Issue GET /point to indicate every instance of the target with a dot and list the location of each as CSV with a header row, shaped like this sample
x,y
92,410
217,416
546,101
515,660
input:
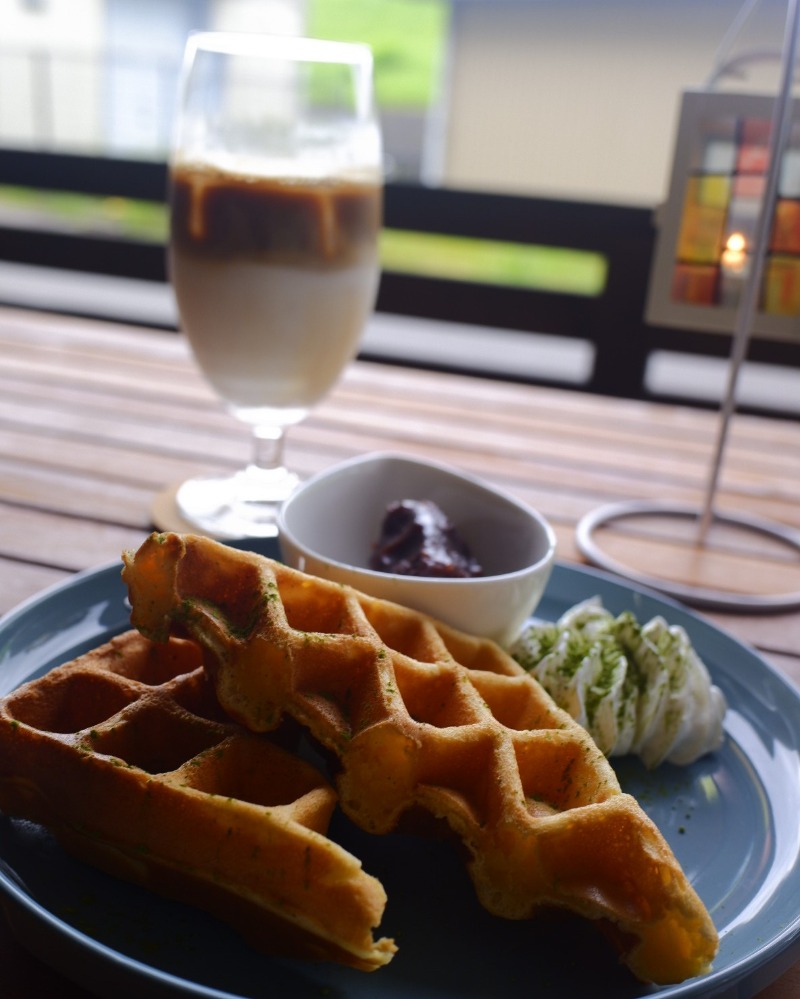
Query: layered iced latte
x,y
274,278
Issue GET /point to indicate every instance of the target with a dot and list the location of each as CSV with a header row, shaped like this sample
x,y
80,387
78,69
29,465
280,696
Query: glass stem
x,y
268,449
266,480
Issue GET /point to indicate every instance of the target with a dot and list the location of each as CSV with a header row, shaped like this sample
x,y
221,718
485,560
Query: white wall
x,y
54,24
579,98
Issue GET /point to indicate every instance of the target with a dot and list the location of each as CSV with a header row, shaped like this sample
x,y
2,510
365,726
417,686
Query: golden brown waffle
x,y
125,755
422,715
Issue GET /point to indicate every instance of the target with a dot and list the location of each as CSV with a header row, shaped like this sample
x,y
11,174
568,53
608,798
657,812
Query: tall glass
x,y
275,211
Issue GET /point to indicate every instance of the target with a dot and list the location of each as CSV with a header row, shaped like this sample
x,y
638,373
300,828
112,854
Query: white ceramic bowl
x,y
330,525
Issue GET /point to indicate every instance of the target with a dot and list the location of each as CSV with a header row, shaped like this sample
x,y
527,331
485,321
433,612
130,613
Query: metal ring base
x,y
695,596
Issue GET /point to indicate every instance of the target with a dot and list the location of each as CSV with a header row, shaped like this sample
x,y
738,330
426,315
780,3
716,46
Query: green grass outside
x,y
494,262
546,268
407,38
124,217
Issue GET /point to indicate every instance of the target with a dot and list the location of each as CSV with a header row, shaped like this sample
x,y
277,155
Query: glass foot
x,y
244,505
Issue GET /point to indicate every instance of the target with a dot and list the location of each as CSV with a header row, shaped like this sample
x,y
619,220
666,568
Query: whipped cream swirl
x,y
636,688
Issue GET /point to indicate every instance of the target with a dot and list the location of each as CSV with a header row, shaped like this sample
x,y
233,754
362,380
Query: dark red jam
x,y
417,539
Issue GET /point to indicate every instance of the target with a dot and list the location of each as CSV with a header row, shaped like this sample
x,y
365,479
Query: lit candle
x,y
734,256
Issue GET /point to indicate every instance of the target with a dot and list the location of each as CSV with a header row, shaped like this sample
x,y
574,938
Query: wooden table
x,y
96,419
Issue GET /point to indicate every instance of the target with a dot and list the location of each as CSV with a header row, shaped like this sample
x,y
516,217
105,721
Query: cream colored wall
x,y
579,98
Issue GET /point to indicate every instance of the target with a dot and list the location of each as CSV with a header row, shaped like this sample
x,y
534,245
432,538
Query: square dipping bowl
x,y
330,526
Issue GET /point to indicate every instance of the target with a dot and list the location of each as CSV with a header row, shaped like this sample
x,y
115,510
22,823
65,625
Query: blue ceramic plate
x,y
732,820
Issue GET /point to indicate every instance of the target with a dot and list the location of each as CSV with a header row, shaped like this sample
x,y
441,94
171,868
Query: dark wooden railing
x,y
613,321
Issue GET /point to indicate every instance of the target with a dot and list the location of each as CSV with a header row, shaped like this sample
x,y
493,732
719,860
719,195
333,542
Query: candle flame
x,y
736,242
734,256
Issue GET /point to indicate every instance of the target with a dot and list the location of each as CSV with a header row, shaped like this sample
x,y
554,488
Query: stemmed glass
x,y
275,212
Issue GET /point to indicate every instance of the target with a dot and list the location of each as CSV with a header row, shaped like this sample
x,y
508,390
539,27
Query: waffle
x,y
126,756
424,717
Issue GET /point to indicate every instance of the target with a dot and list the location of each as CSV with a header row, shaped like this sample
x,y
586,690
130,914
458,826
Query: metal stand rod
x,y
697,594
781,125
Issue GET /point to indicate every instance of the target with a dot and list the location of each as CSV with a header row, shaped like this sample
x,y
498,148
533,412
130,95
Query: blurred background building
x,y
556,99
572,98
